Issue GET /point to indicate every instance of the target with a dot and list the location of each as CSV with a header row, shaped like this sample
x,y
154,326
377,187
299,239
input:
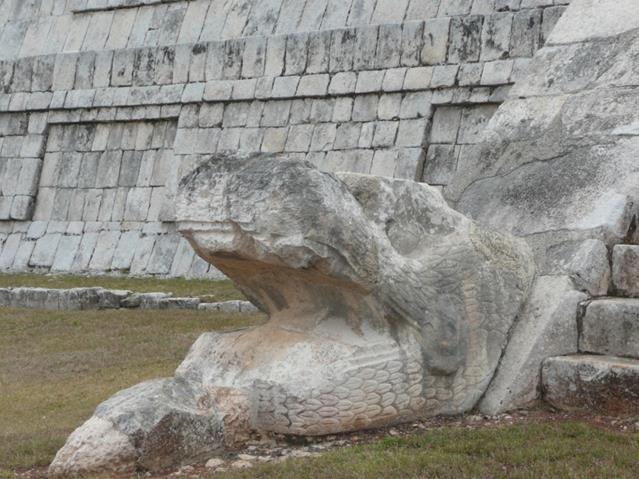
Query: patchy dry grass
x,y
522,451
208,290
56,367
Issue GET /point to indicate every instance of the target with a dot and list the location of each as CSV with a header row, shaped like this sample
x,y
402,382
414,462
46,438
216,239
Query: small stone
x,y
246,457
301,453
214,463
241,465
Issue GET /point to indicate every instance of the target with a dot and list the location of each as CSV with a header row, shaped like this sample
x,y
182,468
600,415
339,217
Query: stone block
x,y
108,169
389,46
497,72
10,250
104,251
474,121
21,260
244,89
313,85
178,303
27,181
585,261
394,79
295,56
319,47
137,204
525,37
44,251
276,113
323,137
445,126
410,163
366,135
465,39
444,76
67,248
611,327
441,164
370,81
342,50
274,140
625,270
418,78
384,163
436,35
22,208
597,384
412,132
321,110
496,36
412,43
389,106
275,52
183,259
299,138
365,108
385,133
218,90
343,83
347,136
142,254
161,257
470,74
285,87
547,327
124,251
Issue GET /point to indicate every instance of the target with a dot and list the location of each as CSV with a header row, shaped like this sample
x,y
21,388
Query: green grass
x,y
523,451
56,367
208,290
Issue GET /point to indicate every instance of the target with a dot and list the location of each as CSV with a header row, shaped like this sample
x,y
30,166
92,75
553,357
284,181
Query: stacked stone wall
x,y
133,93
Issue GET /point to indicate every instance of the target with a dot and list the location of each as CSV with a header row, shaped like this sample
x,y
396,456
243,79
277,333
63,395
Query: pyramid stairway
x,y
604,376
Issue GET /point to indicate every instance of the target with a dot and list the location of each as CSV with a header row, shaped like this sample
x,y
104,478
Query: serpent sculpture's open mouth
x,y
384,305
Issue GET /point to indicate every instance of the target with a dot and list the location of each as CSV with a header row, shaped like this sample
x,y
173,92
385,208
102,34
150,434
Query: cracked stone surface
x,y
558,160
384,305
558,166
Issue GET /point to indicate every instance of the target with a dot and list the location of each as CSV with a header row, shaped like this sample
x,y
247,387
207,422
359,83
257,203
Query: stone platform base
x,y
100,298
605,384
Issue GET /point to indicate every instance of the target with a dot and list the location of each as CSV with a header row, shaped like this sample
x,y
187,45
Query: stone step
x,y
611,327
603,384
625,270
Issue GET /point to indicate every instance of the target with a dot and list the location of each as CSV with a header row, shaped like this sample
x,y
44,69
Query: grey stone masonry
x,y
602,384
100,298
36,28
611,327
625,270
105,105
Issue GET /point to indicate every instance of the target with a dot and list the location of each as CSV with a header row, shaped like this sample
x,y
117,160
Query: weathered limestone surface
x,y
625,270
586,262
557,166
384,305
547,327
611,327
597,383
152,425
100,298
559,156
